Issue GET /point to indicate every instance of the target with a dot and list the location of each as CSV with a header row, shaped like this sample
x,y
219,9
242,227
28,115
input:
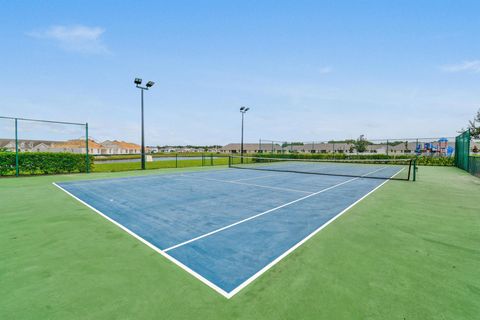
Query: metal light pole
x,y
243,110
149,84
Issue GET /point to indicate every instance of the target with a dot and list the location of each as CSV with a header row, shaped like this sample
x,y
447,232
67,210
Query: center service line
x,y
265,212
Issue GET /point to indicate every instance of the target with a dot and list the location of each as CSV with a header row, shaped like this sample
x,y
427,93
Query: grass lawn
x,y
125,166
408,251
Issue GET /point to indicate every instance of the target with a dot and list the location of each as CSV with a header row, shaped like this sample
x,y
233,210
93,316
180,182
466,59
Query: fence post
x,y
176,160
17,169
87,160
211,159
387,148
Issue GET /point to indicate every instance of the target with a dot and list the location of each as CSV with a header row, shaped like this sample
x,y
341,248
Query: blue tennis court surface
x,y
226,227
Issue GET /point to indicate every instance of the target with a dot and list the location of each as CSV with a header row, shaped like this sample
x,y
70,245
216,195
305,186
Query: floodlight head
x,y
138,81
247,109
150,84
242,108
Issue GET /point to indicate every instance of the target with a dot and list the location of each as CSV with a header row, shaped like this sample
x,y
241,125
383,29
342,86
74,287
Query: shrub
x,y
43,163
421,160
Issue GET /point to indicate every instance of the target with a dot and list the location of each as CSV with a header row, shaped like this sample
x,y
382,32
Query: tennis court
x,y
226,227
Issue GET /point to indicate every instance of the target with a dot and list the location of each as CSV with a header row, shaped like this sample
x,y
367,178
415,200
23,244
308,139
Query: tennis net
x,y
395,169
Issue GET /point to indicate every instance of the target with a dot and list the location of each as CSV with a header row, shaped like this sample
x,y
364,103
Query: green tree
x,y
288,144
342,141
361,144
474,126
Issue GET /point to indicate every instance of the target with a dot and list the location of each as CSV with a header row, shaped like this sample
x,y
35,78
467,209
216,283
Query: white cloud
x,y
466,66
77,38
325,70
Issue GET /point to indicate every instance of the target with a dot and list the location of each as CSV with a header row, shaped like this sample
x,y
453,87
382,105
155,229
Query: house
x,y
321,147
120,147
27,145
376,148
78,146
267,147
153,149
247,148
342,147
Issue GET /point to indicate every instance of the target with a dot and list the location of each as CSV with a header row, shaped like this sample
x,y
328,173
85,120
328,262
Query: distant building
x,y
434,147
249,148
27,145
77,146
112,147
120,147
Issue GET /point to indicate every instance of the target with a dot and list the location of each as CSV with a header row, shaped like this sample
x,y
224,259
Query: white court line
x,y
253,178
263,213
251,184
286,253
230,294
163,253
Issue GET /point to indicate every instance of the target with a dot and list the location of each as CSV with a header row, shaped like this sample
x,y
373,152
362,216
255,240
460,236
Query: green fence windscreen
x,y
474,166
462,150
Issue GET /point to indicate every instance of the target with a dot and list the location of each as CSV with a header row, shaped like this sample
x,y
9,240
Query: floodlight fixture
x,y
138,81
150,84
242,108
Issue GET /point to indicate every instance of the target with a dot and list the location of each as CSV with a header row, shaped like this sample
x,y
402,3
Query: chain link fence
x,y
33,146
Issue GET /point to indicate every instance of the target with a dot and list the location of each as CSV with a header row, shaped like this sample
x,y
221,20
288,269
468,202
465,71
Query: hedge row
x,y
43,163
421,160
436,161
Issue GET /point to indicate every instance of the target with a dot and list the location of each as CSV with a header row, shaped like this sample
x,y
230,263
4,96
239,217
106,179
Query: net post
x,y
229,161
203,159
176,160
17,169
87,159
387,147
211,159
415,169
410,162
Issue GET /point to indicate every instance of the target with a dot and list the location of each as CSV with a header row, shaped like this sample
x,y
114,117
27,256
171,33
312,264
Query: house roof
x,y
247,146
78,143
4,142
325,146
121,144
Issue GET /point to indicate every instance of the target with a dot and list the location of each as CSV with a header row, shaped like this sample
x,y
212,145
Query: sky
x,y
308,70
